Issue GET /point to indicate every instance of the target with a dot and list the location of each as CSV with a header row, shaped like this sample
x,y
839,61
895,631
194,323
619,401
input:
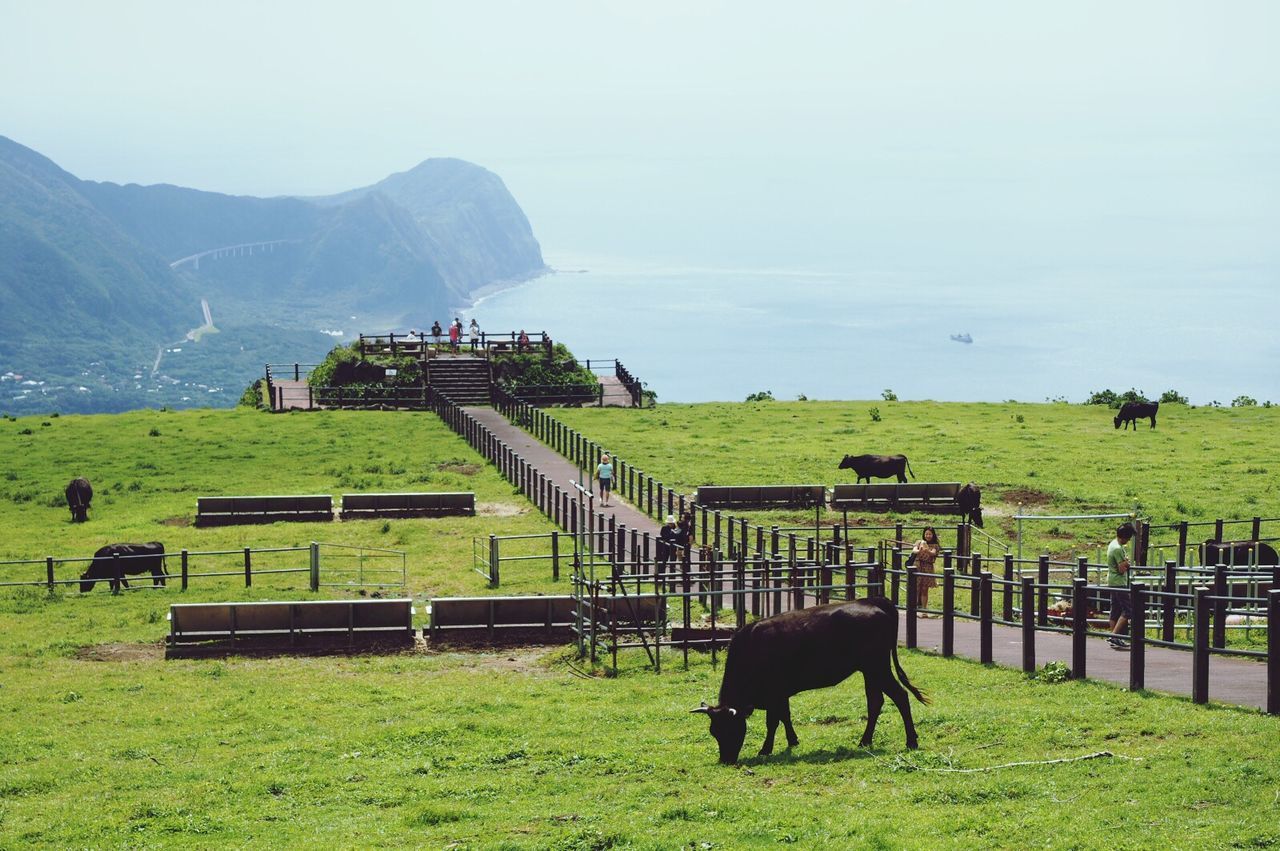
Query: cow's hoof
x,y
765,752
913,746
791,743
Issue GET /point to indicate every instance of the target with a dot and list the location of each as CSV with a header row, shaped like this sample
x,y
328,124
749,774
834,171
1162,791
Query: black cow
x,y
879,466
772,659
1237,552
1131,412
969,500
79,495
134,559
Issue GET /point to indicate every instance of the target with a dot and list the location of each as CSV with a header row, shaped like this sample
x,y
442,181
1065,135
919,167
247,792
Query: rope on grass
x,y
1097,755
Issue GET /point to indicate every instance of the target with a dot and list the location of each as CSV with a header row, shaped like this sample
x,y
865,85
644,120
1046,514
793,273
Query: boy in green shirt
x,y
1118,581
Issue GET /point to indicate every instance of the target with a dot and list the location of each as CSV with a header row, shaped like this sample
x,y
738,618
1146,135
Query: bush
x,y
762,396
888,395
1244,402
251,397
155,432
1173,397
1114,400
875,415
534,369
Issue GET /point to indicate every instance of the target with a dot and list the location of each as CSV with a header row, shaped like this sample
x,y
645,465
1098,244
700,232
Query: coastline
x,y
483,293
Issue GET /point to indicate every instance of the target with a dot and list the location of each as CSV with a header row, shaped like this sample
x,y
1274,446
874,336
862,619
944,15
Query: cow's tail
x,y
909,470
902,677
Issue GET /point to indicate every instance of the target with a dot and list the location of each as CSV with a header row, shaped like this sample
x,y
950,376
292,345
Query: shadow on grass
x,y
799,756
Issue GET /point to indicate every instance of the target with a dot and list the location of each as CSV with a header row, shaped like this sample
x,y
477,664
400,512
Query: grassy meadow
x,y
107,745
1198,464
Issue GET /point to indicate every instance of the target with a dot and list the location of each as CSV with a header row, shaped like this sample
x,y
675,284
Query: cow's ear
x,y
703,708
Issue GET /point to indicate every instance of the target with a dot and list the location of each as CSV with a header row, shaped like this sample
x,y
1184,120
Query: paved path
x,y
1231,680
557,468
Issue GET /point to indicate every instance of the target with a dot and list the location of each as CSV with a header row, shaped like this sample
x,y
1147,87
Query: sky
x,y
993,134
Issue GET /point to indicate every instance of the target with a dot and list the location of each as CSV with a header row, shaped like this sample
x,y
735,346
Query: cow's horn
x,y
702,708
732,711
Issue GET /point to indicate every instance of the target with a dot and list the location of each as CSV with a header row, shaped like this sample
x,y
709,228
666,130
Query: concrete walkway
x,y
558,468
1231,680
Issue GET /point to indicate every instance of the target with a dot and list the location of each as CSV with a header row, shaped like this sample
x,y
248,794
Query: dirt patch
x,y
458,467
175,521
120,653
1026,496
526,659
499,509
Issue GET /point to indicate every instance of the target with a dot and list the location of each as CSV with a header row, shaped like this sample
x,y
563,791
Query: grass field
x,y
105,744
1198,464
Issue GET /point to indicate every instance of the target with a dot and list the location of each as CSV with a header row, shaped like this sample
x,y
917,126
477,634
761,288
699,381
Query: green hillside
x,y
98,282
109,745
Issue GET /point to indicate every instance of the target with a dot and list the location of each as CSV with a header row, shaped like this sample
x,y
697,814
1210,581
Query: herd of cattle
x,y
769,660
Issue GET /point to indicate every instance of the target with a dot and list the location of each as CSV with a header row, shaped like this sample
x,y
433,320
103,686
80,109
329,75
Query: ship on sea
x,y
962,338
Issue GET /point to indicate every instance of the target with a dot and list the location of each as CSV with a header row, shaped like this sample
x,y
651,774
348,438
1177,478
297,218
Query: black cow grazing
x,y
772,659
969,500
1131,412
134,559
879,466
79,495
1237,552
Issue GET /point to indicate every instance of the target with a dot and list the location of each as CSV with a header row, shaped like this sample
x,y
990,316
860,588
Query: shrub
x,y
1244,402
875,415
251,397
155,432
888,395
762,396
1114,400
1173,397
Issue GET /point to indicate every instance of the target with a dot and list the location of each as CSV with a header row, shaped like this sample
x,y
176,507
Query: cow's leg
x,y
771,727
902,478
1153,420
902,700
875,700
157,576
792,738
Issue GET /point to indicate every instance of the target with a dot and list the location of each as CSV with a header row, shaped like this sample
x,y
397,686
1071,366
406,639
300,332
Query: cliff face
x,y
126,266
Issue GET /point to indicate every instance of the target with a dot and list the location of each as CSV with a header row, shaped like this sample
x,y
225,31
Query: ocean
x,y
695,333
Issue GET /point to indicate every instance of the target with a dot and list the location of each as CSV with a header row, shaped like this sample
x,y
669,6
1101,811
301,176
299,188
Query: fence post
x,y
555,556
118,573
1168,606
1256,529
948,611
315,567
248,568
1007,607
1138,638
1042,597
911,606
1200,648
48,571
1182,542
895,557
984,618
975,591
1220,606
1028,625
1273,651
1079,625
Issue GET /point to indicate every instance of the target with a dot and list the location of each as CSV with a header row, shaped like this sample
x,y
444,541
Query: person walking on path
x,y
925,553
455,335
666,539
604,475
684,538
475,334
1118,582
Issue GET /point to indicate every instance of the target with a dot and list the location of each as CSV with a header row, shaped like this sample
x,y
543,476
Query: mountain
x,y
98,279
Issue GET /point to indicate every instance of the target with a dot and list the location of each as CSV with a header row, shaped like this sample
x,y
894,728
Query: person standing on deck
x,y
455,335
1118,582
436,331
604,475
475,334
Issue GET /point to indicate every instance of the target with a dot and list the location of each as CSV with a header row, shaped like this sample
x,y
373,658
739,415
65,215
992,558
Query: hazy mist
x,y
974,136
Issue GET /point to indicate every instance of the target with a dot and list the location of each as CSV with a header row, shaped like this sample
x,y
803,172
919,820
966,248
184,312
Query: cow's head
x,y
729,727
846,463
86,584
1117,421
975,516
